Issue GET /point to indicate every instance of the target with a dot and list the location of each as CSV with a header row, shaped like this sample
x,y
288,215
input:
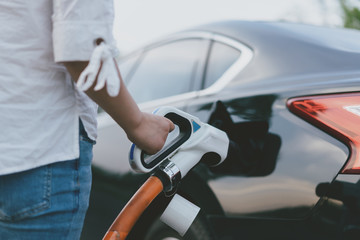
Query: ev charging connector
x,y
183,149
185,146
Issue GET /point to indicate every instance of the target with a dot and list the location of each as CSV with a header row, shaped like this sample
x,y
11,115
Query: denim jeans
x,y
48,202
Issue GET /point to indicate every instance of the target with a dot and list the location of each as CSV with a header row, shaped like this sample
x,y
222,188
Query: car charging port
x,y
253,150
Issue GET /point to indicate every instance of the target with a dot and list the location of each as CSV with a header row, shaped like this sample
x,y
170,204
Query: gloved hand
x,y
102,66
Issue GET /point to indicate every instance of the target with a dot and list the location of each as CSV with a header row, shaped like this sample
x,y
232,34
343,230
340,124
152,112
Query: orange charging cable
x,y
127,218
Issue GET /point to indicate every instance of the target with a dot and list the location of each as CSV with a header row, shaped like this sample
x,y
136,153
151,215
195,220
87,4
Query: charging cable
x,y
127,218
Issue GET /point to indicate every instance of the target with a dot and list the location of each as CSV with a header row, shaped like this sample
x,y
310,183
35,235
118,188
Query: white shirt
x,y
39,103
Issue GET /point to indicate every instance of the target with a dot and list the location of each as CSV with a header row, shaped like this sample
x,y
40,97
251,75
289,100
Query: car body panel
x,y
304,152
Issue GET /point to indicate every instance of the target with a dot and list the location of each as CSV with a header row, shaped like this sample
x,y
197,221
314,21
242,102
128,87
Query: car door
x,y
180,60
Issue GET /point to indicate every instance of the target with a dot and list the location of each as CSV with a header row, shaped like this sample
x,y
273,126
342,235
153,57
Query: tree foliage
x,y
351,15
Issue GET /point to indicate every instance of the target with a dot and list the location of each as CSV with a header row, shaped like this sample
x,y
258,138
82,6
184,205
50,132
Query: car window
x,y
168,70
221,58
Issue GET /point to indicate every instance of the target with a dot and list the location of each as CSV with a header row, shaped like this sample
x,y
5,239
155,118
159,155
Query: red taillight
x,y
338,115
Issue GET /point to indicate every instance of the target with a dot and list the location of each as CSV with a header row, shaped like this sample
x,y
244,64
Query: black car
x,y
287,94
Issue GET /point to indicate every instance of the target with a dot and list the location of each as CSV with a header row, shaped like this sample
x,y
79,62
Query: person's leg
x,y
48,202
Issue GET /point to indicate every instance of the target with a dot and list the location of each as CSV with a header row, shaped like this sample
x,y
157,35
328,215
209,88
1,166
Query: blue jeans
x,y
48,202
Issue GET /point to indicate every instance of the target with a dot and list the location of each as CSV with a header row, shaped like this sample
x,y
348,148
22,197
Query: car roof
x,y
259,33
284,49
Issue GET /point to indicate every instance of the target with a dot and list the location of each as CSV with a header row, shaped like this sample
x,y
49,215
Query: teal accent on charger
x,y
196,126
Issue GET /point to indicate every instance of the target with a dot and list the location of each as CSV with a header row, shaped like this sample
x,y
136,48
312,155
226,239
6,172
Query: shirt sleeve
x,y
76,26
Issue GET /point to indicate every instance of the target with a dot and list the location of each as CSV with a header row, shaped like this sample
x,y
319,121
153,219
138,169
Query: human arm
x,y
76,26
147,131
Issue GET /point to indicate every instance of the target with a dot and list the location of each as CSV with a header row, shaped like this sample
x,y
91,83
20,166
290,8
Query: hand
x,y
151,132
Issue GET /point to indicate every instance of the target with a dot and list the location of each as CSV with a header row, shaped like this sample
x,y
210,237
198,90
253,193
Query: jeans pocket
x,y
87,139
25,194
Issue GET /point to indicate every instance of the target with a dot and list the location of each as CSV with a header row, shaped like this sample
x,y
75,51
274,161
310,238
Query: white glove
x,y
108,73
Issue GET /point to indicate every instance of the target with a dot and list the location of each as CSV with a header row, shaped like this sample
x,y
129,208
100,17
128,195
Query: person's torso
x,y
39,104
